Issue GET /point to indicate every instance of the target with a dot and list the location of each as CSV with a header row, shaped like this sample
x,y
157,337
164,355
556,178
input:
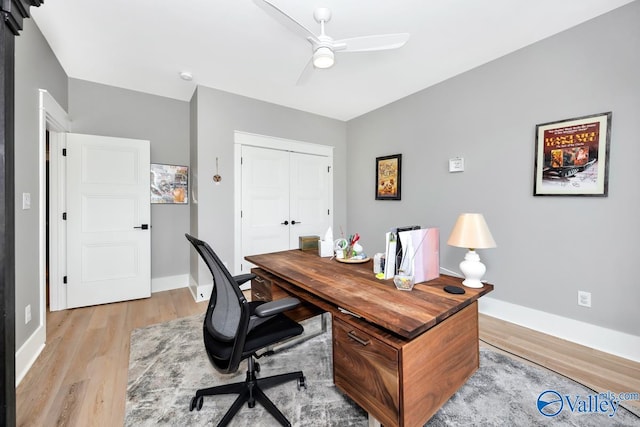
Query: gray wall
x,y
548,247
219,114
105,110
36,68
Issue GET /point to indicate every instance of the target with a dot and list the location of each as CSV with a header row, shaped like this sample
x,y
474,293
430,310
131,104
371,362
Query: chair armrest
x,y
241,278
278,306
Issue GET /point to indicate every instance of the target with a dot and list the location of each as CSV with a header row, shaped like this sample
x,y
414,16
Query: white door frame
x,y
52,117
56,120
262,141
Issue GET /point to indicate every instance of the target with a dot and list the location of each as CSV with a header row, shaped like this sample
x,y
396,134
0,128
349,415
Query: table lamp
x,y
471,231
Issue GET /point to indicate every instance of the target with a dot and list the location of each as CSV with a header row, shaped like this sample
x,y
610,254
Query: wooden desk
x,y
406,354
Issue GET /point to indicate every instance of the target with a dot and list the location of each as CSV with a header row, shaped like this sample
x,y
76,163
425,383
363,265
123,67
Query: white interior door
x,y
308,196
265,201
108,220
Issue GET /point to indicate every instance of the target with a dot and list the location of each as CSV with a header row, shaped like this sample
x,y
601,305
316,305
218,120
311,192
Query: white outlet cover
x,y
584,299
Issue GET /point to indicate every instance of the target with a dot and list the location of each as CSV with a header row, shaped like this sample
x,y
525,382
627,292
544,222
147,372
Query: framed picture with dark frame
x,y
388,177
169,184
572,157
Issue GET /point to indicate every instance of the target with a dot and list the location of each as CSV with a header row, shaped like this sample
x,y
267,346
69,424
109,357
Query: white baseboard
x,y
614,342
202,292
199,292
29,352
168,283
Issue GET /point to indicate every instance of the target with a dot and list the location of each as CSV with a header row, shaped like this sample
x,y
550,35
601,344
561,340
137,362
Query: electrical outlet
x,y
584,298
27,314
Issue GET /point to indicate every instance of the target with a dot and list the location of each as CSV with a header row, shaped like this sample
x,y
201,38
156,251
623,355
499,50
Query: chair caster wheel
x,y
302,382
196,403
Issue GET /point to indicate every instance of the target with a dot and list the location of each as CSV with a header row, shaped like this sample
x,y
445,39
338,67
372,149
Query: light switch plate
x,y
456,164
26,200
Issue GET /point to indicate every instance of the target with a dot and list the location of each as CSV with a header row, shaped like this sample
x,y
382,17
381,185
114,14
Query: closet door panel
x,y
309,196
265,201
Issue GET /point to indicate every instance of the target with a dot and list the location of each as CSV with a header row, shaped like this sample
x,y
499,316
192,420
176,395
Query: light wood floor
x,y
80,378
597,370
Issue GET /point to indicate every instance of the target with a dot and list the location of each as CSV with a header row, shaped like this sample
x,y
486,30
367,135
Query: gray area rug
x,y
168,364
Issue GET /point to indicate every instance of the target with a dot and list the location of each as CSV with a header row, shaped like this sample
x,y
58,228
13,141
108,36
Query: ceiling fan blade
x,y
372,43
306,73
286,20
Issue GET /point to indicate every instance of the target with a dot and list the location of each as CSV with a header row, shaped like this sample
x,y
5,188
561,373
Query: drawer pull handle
x,y
258,295
354,337
258,279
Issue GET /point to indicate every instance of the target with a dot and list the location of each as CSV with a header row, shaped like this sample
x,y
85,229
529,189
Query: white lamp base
x,y
472,269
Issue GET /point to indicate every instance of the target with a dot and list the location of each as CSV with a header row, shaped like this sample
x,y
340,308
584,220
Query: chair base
x,y
250,391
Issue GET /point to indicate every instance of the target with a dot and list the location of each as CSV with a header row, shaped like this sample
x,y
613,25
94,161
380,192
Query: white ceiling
x,y
235,46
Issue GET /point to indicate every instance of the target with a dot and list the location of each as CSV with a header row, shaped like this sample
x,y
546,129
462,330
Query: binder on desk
x,y
420,253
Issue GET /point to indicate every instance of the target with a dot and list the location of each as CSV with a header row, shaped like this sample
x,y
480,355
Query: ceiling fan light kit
x,y
323,57
323,47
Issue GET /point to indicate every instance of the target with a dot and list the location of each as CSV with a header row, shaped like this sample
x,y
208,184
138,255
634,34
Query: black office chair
x,y
235,329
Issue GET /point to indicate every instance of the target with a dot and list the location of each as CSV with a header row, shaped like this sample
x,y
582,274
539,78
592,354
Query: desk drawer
x,y
261,289
265,288
366,369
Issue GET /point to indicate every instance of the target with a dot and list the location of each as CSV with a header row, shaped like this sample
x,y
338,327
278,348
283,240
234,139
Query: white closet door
x,y
284,195
265,201
309,196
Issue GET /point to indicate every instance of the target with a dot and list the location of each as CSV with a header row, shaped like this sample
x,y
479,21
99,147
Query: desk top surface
x,y
355,288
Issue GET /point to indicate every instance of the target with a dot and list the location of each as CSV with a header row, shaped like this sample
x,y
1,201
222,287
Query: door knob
x,y
143,227
285,223
294,222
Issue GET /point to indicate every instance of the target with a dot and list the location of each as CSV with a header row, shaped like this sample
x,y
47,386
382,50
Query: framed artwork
x,y
572,157
169,184
388,177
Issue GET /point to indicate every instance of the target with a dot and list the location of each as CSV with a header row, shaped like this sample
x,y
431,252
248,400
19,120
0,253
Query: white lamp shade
x,y
471,231
323,57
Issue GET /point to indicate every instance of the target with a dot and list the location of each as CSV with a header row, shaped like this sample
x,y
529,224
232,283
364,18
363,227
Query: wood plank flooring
x,y
595,369
80,378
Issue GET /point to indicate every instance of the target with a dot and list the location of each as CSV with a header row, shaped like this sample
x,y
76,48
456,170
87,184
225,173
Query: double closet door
x,y
284,195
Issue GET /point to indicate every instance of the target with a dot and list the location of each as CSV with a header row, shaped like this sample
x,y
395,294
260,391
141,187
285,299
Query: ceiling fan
x,y
324,46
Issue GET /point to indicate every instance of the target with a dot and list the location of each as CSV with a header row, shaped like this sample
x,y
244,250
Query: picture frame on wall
x,y
169,184
572,157
388,177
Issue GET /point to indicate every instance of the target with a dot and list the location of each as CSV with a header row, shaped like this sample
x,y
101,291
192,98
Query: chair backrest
x,y
228,310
